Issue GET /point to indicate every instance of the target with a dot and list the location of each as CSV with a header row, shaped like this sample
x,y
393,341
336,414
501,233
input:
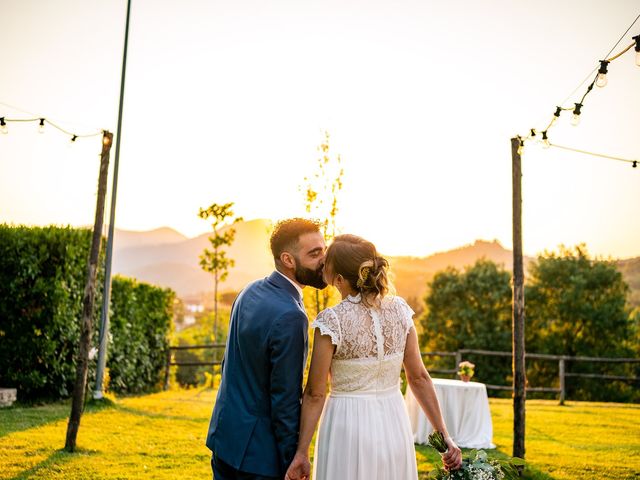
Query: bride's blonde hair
x,y
358,261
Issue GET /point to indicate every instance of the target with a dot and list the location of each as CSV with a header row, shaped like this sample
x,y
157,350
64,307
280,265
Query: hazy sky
x,y
227,101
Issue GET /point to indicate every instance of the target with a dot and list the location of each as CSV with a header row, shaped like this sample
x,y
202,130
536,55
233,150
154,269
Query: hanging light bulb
x,y
41,126
637,49
556,116
601,80
3,126
575,120
545,140
521,147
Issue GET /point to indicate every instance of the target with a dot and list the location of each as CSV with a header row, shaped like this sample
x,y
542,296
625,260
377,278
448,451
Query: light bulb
x,y
3,126
41,126
575,120
545,140
601,81
638,59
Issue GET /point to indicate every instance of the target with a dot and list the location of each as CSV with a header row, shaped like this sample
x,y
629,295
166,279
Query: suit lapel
x,y
278,280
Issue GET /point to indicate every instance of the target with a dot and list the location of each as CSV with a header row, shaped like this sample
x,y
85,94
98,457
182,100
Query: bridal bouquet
x,y
475,466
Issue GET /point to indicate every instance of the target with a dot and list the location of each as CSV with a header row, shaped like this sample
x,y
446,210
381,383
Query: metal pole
x,y
106,298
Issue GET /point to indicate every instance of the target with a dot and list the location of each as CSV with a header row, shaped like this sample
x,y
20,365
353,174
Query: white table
x,y
465,409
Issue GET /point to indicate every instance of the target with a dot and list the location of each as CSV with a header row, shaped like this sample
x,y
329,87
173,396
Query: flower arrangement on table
x,y
475,466
465,370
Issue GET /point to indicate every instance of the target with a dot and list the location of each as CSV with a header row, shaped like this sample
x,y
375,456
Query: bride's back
x,y
369,342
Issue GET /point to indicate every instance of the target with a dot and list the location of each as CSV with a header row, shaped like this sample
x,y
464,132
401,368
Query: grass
x,y
161,436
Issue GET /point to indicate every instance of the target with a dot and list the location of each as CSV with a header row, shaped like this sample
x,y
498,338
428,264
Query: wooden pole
x,y
518,347
88,301
167,371
561,372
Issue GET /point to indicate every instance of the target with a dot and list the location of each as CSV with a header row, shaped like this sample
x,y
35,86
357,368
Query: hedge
x,y
42,278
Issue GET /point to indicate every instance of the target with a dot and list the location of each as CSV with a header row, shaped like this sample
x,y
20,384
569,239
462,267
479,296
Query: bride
x,y
361,344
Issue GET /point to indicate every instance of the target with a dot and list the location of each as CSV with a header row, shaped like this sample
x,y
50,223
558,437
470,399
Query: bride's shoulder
x,y
393,301
396,304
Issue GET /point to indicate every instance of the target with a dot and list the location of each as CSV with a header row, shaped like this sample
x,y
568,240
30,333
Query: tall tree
x,y
215,261
321,192
576,306
470,309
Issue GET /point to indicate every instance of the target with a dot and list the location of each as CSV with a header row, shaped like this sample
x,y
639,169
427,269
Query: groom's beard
x,y
309,276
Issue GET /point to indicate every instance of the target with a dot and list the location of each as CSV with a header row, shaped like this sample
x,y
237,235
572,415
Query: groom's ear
x,y
288,260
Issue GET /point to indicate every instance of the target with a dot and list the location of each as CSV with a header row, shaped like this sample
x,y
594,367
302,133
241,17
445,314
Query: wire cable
x,y
634,163
596,68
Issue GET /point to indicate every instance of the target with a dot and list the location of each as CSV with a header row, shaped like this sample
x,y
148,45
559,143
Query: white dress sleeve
x,y
407,313
328,323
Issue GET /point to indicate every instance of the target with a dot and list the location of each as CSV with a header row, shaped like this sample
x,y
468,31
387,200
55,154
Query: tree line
x,y
575,305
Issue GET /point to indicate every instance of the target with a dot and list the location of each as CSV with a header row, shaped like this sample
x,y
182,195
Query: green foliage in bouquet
x,y
475,465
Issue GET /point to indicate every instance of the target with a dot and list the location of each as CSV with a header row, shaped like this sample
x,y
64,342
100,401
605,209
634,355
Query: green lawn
x,y
161,436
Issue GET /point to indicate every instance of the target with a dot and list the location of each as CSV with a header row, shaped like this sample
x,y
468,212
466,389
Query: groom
x,y
253,431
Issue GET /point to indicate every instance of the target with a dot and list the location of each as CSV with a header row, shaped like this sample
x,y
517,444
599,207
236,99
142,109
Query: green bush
x,y
42,278
140,325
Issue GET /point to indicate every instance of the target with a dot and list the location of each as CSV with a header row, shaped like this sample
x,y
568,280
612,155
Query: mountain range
x,y
167,258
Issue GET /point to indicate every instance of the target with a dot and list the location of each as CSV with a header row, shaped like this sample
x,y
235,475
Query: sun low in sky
x,y
228,101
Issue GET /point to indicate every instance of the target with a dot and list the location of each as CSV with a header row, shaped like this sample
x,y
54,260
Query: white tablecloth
x,y
465,408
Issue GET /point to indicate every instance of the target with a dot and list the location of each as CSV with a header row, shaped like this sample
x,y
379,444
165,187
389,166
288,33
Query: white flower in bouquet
x,y
475,466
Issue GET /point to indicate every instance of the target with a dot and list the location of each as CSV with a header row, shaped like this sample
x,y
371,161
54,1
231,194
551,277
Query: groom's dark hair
x,y
287,233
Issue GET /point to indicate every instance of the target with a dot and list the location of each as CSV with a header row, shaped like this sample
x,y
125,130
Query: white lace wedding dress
x,y
364,431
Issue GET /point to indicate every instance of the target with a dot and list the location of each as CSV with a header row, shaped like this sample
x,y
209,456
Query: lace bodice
x,y
369,342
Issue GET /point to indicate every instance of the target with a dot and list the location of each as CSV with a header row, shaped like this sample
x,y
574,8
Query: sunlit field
x,y
161,436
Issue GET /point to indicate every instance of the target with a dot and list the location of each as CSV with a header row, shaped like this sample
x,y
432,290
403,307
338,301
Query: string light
x,y
545,140
41,122
575,120
601,80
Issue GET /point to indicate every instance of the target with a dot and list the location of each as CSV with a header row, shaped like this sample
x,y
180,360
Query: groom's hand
x,y
300,468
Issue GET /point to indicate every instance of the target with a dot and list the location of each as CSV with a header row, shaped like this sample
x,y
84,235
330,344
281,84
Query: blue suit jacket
x,y
255,421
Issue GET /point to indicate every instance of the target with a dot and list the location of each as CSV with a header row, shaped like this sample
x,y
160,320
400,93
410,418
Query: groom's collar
x,y
295,285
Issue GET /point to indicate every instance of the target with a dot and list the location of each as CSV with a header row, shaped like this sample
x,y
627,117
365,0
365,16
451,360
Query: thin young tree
x,y
215,260
321,193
